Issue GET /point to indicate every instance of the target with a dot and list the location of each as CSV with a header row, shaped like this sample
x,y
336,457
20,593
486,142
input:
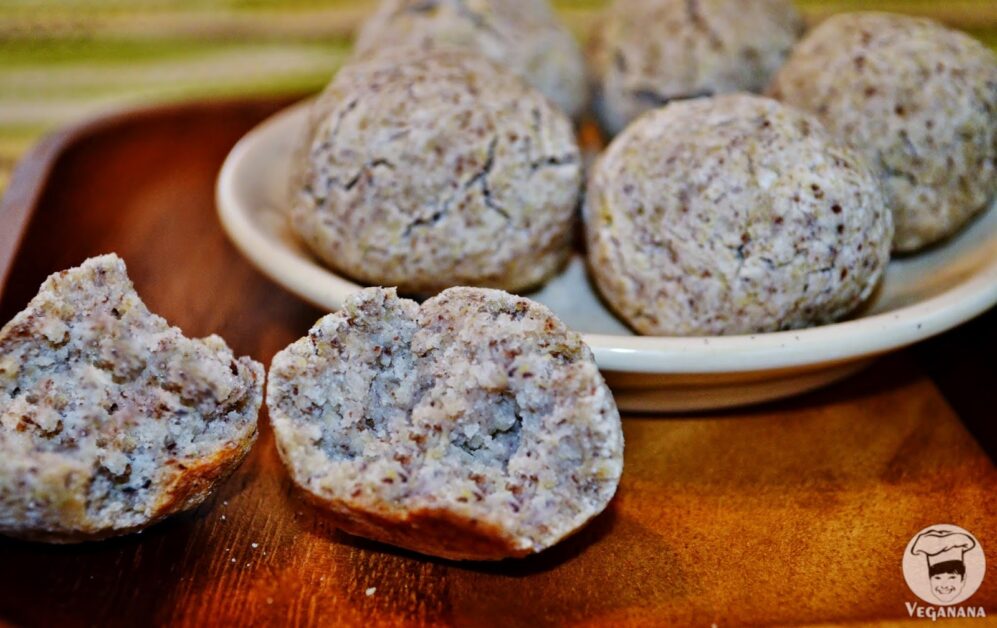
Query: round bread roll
x,y
439,170
475,427
918,100
523,35
110,419
646,53
730,215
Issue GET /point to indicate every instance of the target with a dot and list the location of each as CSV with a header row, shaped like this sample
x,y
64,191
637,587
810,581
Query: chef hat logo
x,y
944,564
940,546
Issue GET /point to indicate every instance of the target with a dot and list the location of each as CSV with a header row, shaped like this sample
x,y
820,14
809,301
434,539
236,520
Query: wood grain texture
x,y
790,513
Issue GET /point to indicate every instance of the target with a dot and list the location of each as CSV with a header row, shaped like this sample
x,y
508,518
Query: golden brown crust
x,y
192,485
433,532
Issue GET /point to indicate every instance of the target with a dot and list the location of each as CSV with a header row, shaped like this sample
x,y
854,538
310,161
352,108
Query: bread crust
x,y
432,532
191,486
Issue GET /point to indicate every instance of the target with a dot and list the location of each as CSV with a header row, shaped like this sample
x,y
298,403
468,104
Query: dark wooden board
x,y
788,513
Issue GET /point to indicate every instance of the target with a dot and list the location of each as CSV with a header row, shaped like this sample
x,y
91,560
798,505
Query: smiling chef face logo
x,y
944,565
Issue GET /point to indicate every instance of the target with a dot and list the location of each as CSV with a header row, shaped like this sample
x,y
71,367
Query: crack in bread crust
x,y
443,170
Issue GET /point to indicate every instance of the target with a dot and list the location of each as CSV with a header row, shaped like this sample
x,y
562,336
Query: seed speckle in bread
x,y
110,419
473,427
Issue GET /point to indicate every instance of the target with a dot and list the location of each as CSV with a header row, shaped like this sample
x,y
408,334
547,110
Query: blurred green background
x,y
62,60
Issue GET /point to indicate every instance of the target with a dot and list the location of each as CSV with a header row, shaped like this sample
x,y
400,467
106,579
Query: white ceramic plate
x,y
921,296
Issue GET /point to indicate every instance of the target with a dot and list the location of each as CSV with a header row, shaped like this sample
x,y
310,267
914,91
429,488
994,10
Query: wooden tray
x,y
791,513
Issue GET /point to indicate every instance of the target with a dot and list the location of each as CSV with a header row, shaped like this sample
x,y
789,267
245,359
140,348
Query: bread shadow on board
x,y
95,581
961,366
179,525
615,563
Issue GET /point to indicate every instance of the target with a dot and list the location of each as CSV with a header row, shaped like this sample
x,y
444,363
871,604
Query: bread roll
x,y
525,36
474,427
733,215
918,101
110,419
647,53
431,170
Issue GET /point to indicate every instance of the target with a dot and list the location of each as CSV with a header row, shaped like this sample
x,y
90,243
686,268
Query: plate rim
x,y
661,355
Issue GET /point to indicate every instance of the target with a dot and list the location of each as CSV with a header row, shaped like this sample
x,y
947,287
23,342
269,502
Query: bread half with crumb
x,y
474,427
110,419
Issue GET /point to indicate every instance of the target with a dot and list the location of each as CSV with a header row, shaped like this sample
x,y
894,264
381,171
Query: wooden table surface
x,y
789,513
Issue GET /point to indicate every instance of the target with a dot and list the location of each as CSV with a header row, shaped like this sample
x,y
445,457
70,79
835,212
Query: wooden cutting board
x,y
789,513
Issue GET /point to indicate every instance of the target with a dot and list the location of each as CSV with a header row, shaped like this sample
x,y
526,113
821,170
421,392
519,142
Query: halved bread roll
x,y
476,426
110,419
